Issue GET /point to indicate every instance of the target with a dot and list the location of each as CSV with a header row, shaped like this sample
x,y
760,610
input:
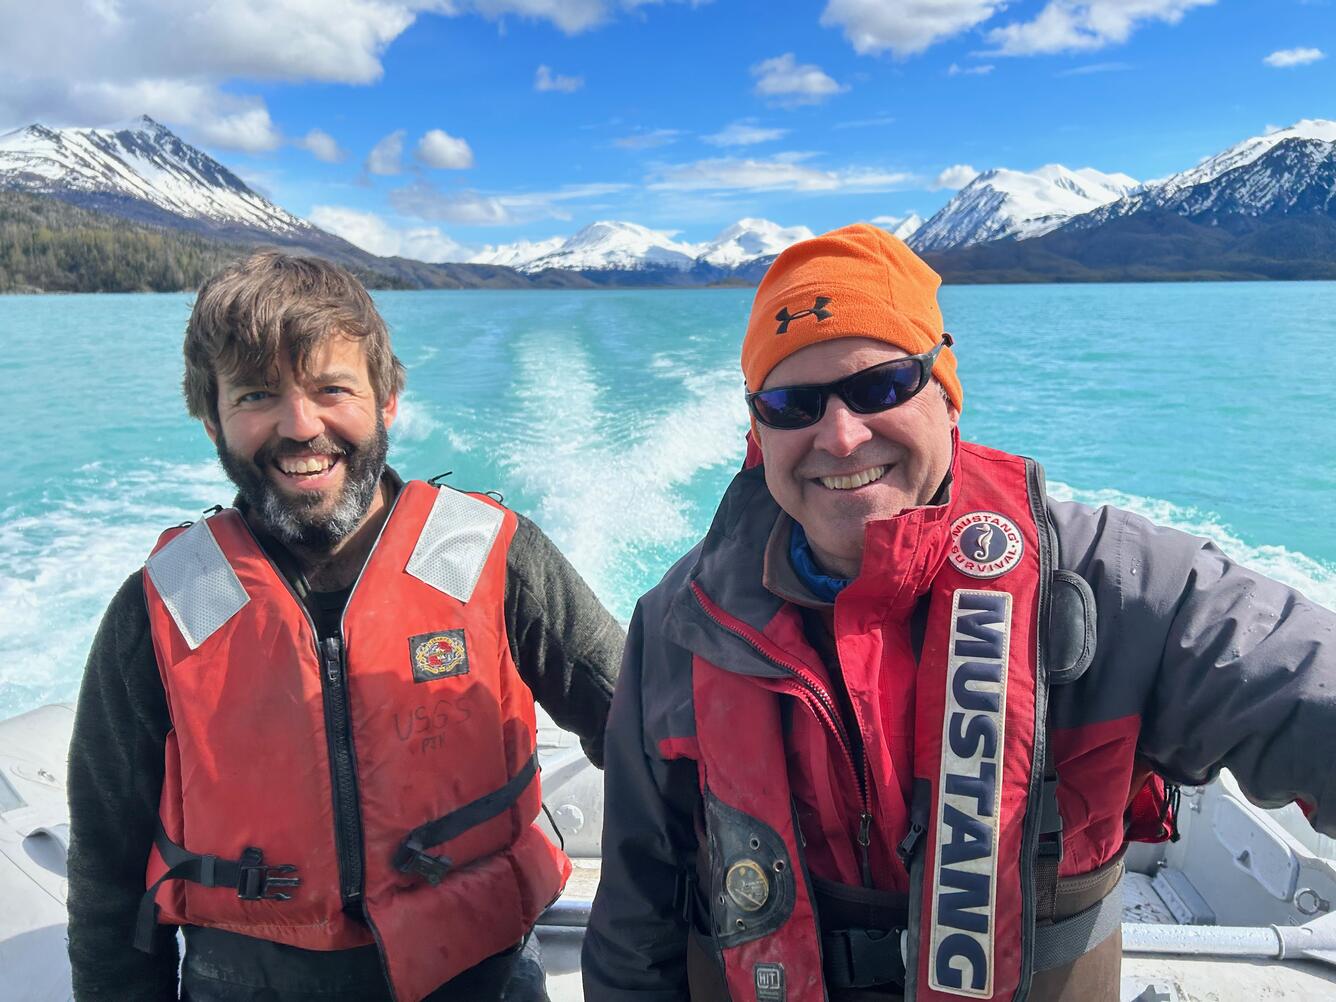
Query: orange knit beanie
x,y
858,281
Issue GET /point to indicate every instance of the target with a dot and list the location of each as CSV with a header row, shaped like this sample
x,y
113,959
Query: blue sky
x,y
422,125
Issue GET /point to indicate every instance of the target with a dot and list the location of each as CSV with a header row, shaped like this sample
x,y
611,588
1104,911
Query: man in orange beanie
x,y
886,731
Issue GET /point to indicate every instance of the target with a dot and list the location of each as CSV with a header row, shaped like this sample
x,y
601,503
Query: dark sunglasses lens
x,y
787,408
885,386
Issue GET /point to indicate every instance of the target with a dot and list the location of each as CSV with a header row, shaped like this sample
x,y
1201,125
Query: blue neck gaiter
x,y
822,586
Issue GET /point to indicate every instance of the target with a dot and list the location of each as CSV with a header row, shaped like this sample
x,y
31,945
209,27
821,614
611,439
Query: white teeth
x,y
848,483
311,464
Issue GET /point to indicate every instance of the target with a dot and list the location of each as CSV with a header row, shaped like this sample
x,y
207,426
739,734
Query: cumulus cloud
x,y
322,146
647,140
1086,25
970,71
171,60
422,200
744,133
443,151
174,61
786,82
545,80
1285,58
955,177
387,156
373,234
904,27
785,172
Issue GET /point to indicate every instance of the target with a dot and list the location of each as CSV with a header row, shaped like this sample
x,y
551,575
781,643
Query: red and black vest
x,y
978,829
388,774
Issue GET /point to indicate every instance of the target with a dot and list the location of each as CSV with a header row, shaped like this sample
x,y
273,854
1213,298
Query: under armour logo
x,y
818,310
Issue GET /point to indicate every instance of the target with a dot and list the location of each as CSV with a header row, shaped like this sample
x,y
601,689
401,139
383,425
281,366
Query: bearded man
x,y
306,734
886,731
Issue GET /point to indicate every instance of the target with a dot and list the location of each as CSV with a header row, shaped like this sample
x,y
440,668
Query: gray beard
x,y
295,522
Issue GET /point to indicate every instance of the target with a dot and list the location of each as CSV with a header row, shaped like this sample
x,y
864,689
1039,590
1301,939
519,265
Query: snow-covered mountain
x,y
749,239
1004,203
518,254
141,170
898,227
616,246
1184,191
622,246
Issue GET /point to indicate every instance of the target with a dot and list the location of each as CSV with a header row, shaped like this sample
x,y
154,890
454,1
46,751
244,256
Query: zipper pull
x,y
332,654
864,840
919,808
909,844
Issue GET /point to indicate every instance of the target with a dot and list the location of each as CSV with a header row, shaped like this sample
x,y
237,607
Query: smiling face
x,y
850,469
306,449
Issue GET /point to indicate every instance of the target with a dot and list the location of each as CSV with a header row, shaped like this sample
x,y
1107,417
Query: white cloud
x,y
1085,71
372,233
1285,58
955,177
98,61
744,133
322,146
865,123
784,81
647,140
170,60
1086,25
421,200
970,71
443,151
785,172
386,157
904,27
571,16
544,80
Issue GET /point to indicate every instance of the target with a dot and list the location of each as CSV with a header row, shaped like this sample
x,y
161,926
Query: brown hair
x,y
270,302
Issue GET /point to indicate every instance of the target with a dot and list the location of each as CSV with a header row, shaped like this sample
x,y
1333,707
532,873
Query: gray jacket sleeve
x,y
635,946
115,783
1226,667
566,645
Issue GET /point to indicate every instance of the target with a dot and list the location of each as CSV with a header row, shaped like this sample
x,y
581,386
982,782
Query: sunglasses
x,y
868,391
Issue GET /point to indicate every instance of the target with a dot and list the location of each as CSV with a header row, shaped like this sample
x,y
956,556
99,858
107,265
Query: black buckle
x,y
257,879
413,858
874,957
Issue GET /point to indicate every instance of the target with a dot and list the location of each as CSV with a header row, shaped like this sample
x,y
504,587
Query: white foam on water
x,y
610,483
1315,579
415,422
60,566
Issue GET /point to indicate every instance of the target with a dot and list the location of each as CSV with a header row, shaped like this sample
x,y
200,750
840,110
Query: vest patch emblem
x,y
770,983
985,544
964,888
747,885
438,655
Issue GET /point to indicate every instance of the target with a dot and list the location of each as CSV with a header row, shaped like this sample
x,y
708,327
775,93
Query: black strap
x,y
413,857
250,876
862,958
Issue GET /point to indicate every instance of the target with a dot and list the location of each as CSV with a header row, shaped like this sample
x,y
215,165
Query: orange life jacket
x,y
380,786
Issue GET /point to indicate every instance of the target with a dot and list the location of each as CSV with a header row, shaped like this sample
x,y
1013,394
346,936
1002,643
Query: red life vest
x,y
979,769
394,768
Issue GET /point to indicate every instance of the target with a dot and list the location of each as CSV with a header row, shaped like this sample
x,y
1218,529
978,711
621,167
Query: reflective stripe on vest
x,y
436,719
975,714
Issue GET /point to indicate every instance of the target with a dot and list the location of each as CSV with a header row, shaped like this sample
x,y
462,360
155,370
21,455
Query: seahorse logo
x,y
983,544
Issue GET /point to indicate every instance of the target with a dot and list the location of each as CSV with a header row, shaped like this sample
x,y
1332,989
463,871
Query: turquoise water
x,y
615,420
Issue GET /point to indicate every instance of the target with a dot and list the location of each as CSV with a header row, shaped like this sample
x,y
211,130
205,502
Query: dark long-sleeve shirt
x,y
567,648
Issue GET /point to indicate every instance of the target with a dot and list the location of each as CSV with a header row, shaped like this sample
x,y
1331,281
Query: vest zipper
x,y
831,718
919,807
343,773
